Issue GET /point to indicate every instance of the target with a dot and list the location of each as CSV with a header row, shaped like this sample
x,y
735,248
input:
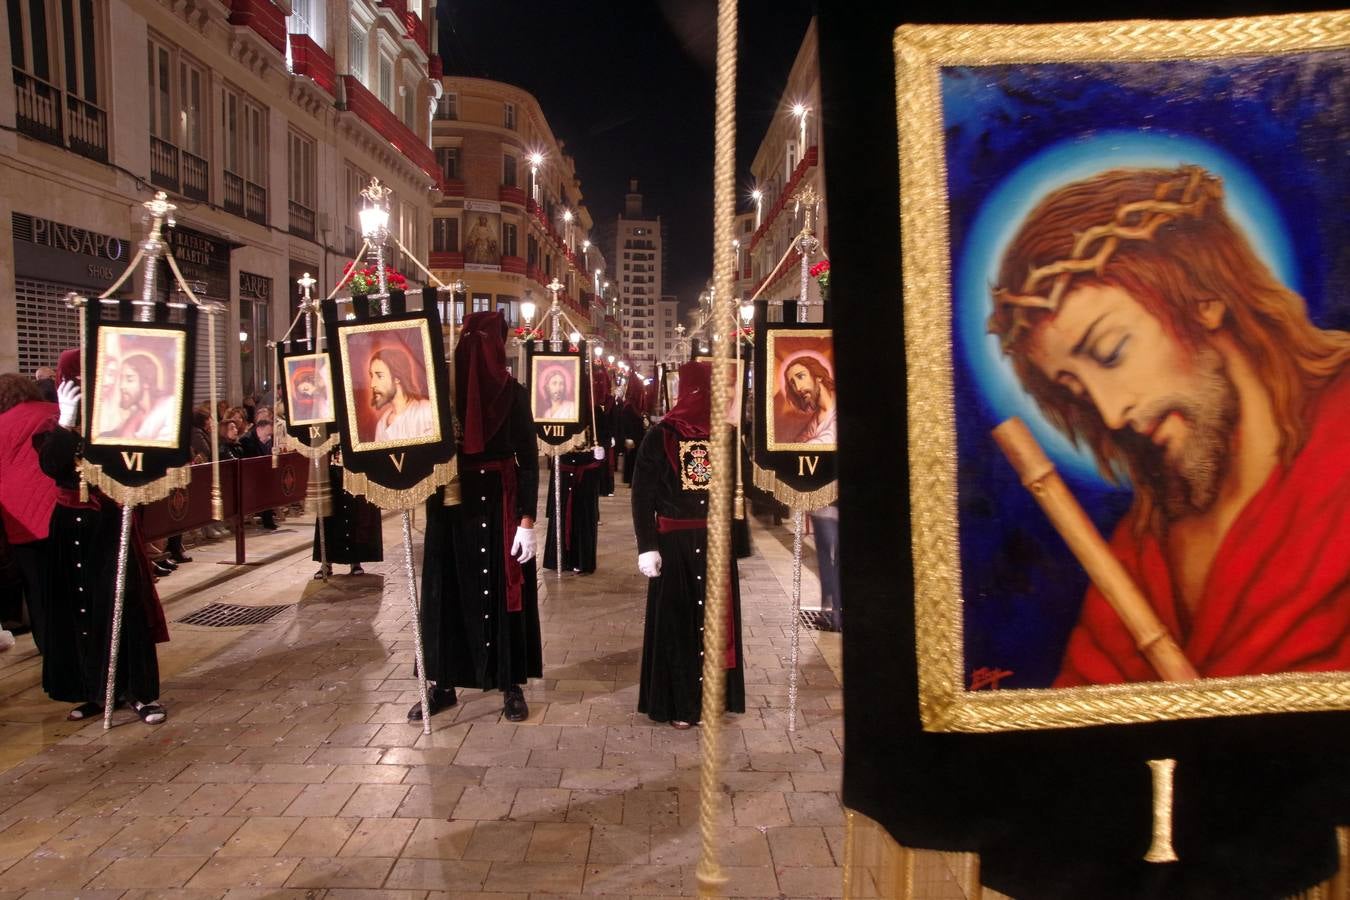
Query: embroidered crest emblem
x,y
178,504
695,465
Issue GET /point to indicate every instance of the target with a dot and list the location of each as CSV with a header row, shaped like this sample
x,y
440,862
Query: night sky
x,y
628,86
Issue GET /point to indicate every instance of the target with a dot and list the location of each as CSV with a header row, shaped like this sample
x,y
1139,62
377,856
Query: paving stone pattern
x,y
287,767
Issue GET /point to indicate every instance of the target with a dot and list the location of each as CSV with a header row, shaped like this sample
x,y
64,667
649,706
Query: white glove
x,y
68,401
649,563
611,442
598,452
628,444
522,548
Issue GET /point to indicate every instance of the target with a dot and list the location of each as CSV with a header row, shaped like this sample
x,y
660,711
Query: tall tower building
x,y
638,266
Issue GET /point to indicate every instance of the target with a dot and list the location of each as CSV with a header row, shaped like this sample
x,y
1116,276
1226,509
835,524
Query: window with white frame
x,y
509,168
509,115
407,228
445,234
386,85
300,153
192,106
301,19
447,107
160,66
244,126
357,52
57,41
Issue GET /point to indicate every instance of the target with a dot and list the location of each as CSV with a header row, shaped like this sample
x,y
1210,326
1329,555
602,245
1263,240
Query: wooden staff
x,y
1039,476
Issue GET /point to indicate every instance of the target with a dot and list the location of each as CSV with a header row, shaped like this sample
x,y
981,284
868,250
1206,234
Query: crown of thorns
x,y
1138,220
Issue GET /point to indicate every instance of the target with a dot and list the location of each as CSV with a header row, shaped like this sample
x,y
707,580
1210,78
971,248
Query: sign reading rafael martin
x,y
66,254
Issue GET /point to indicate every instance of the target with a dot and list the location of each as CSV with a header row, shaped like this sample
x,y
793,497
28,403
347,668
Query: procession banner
x,y
305,397
560,395
393,404
136,432
1088,493
795,415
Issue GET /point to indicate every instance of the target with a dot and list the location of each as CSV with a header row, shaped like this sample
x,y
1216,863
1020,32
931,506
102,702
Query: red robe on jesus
x,y
1277,597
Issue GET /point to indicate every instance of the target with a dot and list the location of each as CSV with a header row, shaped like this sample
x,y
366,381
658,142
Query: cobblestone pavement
x,y
287,767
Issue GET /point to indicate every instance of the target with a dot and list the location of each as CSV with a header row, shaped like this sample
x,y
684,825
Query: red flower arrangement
x,y
366,280
821,273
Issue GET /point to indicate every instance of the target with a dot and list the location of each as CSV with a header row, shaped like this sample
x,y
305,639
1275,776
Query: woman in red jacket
x,y
27,497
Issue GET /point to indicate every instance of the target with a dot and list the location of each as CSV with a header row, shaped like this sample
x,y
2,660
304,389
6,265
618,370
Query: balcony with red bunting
x,y
447,260
511,194
398,7
513,265
368,108
309,60
417,31
452,187
264,18
810,159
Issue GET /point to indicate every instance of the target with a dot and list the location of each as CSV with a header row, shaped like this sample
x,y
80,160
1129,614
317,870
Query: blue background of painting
x,y
1277,132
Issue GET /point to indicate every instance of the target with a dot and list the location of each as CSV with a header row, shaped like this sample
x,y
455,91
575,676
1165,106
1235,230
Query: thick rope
x,y
711,878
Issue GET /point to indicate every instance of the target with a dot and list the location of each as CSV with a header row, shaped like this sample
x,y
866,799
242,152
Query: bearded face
x,y
803,389
130,388
1169,404
1185,472
556,387
382,387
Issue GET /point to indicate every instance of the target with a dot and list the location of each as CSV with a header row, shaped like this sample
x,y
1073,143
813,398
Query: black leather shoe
x,y
159,568
439,698
180,557
515,708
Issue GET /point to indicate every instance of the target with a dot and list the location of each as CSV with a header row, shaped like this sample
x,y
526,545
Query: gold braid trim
x,y
1137,220
795,500
575,442
158,489
357,484
309,452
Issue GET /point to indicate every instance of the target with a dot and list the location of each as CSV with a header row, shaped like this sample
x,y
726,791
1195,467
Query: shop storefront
x,y
52,259
255,314
205,262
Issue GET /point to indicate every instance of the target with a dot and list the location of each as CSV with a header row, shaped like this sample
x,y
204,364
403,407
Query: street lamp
x,y
374,216
527,310
536,160
747,313
567,228
758,196
597,281
801,111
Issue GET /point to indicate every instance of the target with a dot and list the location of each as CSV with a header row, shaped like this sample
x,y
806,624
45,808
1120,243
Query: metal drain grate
x,y
229,615
817,620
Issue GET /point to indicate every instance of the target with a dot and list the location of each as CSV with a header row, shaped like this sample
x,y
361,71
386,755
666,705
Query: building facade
x,y
790,159
638,267
510,217
262,126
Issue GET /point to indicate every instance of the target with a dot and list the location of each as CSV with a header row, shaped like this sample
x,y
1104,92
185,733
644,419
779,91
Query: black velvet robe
x,y
470,639
354,532
632,425
82,579
671,686
581,523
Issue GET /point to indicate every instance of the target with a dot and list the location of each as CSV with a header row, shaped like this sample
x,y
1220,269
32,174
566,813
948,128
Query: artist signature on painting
x,y
986,677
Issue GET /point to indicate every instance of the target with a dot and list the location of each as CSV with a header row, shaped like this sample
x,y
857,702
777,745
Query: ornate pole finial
x,y
377,194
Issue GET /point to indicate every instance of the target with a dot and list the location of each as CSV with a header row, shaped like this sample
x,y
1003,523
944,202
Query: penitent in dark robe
x,y
671,482
480,605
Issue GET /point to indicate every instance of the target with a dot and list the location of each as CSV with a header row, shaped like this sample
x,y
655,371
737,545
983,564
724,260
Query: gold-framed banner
x,y
1126,360
393,403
